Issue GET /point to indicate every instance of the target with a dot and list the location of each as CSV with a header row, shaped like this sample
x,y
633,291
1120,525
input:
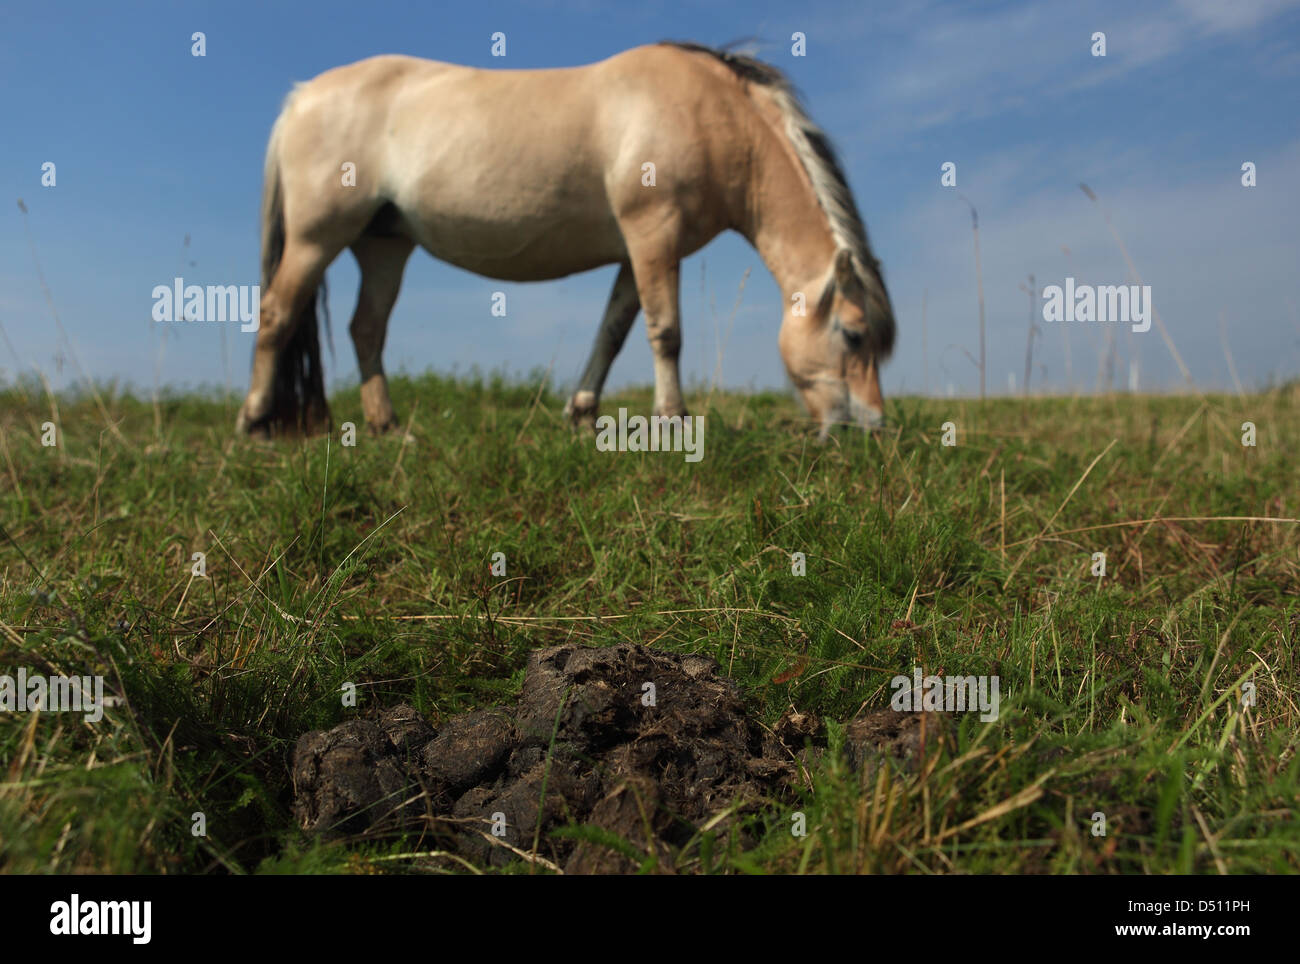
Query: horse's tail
x,y
298,396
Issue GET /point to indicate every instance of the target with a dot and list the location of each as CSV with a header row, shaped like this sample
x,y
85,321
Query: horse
x,y
529,175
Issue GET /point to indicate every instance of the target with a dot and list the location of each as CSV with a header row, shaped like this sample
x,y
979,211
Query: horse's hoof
x,y
580,410
259,429
387,427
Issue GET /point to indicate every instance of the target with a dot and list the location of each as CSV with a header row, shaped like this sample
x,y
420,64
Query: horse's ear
x,y
845,275
826,298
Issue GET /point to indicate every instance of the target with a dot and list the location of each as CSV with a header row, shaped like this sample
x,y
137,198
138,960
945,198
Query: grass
x,y
326,565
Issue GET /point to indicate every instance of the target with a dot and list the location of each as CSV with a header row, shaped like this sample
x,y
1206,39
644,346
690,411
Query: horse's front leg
x,y
620,312
657,283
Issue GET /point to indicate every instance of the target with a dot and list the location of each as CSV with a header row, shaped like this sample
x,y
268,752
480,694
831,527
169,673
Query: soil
x,y
586,744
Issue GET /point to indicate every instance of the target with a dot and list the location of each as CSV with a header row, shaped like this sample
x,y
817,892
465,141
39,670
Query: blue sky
x,y
153,145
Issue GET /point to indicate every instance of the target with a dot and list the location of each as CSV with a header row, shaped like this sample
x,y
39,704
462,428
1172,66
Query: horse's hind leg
x,y
382,261
296,279
620,312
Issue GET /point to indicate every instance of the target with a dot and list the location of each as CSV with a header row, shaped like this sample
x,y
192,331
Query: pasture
x,y
1162,694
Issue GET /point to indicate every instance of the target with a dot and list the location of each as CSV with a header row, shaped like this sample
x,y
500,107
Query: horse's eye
x,y
852,338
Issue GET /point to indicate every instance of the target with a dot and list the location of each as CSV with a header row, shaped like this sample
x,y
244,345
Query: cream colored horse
x,y
526,175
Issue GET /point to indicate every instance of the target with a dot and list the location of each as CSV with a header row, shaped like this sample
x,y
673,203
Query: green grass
x,y
370,564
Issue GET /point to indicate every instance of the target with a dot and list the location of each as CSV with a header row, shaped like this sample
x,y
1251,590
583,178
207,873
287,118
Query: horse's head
x,y
832,351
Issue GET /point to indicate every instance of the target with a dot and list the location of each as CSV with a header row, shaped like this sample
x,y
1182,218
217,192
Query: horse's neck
x,y
786,224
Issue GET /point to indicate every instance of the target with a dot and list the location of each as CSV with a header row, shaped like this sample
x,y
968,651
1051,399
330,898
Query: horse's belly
x,y
493,183
515,247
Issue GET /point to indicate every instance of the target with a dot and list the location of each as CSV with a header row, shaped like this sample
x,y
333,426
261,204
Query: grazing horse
x,y
528,175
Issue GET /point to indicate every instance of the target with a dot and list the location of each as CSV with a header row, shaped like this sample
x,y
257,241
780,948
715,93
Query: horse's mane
x,y
811,144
